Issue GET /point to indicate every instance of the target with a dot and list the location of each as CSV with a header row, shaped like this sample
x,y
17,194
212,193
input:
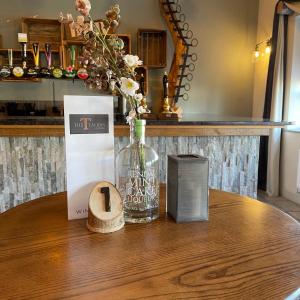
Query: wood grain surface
x,y
152,130
247,250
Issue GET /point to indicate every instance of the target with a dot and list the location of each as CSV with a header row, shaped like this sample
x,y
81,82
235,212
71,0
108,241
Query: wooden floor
x,y
288,206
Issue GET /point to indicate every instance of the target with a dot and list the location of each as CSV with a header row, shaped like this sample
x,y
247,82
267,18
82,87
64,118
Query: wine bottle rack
x,y
183,64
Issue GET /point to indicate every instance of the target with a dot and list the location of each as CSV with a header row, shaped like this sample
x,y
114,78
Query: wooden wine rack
x,y
183,60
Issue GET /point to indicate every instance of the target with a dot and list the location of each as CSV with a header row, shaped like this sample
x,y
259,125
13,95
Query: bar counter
x,y
190,125
32,152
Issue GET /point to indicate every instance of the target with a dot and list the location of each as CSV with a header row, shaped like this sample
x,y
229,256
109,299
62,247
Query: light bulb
x,y
268,47
256,52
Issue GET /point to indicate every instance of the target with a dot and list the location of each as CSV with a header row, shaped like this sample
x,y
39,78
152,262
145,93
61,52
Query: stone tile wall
x,y
35,167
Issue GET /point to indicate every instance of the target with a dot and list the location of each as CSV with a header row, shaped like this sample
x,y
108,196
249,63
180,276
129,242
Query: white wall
x,y
223,80
226,30
264,31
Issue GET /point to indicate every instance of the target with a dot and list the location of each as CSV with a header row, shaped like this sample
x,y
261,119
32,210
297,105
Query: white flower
x,y
129,86
132,61
80,20
116,9
109,73
70,18
61,17
141,110
112,84
131,116
138,97
83,6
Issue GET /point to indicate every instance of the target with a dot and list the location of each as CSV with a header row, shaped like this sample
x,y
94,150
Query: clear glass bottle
x,y
137,177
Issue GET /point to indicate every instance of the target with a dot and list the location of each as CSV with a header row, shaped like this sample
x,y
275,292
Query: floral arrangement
x,y
108,66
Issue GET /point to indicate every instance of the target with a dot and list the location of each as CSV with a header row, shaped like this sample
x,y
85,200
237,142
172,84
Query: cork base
x,y
105,229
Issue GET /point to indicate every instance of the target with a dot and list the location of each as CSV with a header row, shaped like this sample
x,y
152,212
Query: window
x,y
292,102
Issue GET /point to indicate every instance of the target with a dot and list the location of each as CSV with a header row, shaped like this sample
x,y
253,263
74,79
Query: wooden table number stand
x,y
105,213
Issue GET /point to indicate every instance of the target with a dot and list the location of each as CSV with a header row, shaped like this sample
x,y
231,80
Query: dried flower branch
x,y
108,66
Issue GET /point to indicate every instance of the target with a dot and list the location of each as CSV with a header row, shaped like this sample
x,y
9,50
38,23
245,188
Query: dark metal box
x,y
187,188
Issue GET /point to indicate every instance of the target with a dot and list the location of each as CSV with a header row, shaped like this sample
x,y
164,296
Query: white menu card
x,y
89,140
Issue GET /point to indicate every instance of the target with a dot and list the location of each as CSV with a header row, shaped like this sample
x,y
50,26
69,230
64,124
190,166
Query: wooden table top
x,y
247,250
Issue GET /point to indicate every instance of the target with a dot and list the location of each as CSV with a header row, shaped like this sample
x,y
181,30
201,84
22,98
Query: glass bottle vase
x,y
137,177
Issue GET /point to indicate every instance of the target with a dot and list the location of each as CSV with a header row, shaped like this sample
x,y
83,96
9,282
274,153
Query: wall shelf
x,y
152,47
60,37
42,31
26,79
17,57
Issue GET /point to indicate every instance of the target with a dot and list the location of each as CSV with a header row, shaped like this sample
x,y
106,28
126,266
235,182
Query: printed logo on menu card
x,y
88,124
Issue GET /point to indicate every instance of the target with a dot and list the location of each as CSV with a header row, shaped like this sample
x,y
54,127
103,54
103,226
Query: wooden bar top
x,y
191,125
247,250
151,130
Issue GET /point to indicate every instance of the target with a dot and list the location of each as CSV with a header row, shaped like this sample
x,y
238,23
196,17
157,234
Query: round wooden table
x,y
247,250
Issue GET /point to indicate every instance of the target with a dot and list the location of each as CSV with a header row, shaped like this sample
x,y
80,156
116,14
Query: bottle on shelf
x,y
166,105
70,71
142,90
34,71
24,58
5,71
57,72
20,71
142,84
82,72
46,71
166,110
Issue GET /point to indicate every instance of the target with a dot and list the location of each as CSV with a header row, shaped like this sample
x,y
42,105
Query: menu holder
x,y
89,140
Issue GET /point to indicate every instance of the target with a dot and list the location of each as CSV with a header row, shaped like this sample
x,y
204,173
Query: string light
x,y
256,52
259,52
268,48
